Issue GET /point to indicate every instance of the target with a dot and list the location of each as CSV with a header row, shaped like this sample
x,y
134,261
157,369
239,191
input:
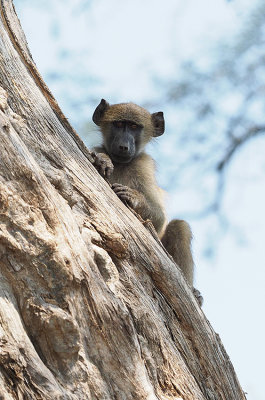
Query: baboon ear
x,y
159,123
99,111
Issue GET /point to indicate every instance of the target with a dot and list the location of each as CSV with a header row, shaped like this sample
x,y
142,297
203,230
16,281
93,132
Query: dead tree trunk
x,y
91,306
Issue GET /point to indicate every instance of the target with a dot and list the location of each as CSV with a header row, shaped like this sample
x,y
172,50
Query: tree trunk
x,y
91,306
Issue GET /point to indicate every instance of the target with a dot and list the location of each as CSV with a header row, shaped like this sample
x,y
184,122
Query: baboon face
x,y
123,140
126,129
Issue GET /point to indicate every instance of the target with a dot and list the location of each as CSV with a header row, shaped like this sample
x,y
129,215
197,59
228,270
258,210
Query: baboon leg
x,y
177,241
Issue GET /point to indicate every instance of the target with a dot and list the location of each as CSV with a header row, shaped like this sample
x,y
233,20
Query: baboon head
x,y
127,128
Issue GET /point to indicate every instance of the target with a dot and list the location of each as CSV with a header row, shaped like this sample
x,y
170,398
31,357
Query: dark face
x,y
123,141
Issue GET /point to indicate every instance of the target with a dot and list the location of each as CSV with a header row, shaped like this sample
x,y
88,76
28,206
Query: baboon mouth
x,y
121,159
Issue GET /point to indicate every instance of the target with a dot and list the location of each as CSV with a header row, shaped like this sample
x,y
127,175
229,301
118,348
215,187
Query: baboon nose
x,y
124,148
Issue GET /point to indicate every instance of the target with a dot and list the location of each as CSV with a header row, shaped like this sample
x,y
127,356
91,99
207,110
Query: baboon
x,y
126,129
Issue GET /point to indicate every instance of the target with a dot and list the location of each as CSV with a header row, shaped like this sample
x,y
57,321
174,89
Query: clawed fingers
x,y
108,172
125,194
102,164
119,185
120,189
102,168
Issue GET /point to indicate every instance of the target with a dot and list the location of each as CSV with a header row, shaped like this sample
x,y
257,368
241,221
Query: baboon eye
x,y
134,126
118,124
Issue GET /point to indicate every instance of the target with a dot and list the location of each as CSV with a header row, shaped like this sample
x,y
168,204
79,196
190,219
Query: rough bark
x,y
91,306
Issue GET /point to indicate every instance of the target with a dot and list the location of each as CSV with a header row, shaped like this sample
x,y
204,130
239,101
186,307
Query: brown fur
x,y
179,248
136,175
135,181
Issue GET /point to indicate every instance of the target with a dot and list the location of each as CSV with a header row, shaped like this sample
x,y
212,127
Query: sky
x,y
136,42
117,47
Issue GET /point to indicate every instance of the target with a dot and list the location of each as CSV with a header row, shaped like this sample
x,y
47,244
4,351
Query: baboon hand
x,y
103,164
130,197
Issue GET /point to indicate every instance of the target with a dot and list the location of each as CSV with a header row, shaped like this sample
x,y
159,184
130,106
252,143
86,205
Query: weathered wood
x,y
91,306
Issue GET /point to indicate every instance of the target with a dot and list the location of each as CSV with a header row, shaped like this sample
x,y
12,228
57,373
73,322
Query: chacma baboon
x,y
126,129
